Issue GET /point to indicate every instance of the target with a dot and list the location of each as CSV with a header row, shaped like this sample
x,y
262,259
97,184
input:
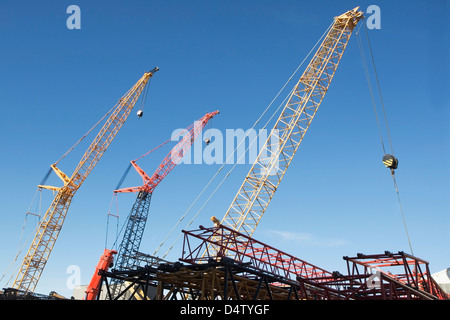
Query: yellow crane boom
x,y
50,226
264,177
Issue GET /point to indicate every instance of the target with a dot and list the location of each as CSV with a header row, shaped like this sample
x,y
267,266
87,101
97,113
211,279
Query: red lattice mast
x,y
218,240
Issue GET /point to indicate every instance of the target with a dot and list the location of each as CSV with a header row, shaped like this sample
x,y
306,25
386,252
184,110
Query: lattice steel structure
x,y
220,241
134,231
401,276
224,280
50,226
137,219
252,270
265,175
388,276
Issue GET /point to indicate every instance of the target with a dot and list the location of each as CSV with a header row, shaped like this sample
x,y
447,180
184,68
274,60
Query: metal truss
x,y
400,276
224,280
50,226
252,270
264,178
388,276
132,284
220,241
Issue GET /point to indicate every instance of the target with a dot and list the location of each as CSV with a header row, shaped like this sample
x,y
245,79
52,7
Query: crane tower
x,y
50,226
266,173
138,216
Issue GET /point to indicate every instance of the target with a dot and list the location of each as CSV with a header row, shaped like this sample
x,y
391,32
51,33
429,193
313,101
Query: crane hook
x,y
390,162
140,113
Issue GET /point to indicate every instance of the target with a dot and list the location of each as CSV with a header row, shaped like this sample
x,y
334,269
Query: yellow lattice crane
x,y
50,226
264,177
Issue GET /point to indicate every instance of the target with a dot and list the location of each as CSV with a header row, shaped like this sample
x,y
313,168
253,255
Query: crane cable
x,y
143,100
114,199
232,154
162,144
84,136
21,247
222,181
366,70
127,170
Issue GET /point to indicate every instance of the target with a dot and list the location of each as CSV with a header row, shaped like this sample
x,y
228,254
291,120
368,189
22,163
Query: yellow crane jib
x,y
266,173
49,227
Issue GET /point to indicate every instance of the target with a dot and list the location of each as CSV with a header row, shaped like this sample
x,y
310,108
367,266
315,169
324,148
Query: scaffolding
x,y
252,270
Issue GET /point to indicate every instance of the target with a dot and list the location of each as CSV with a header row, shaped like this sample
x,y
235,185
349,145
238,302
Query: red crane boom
x,y
172,159
138,216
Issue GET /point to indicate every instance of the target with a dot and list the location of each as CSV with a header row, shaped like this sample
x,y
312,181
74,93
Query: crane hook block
x,y
390,161
216,221
140,113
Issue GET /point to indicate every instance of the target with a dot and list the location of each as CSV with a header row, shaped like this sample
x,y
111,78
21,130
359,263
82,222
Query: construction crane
x,y
266,173
50,226
105,262
137,218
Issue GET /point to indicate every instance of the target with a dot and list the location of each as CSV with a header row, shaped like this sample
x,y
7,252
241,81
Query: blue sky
x,y
337,198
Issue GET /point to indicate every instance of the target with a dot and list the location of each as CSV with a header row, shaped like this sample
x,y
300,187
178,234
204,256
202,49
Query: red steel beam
x,y
400,267
221,241
412,271
412,281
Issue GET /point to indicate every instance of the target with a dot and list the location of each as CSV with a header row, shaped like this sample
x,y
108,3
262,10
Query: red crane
x,y
138,216
106,260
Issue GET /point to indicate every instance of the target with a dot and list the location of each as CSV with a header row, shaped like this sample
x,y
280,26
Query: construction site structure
x,y
266,173
105,262
16,294
385,276
224,262
137,218
50,226
253,270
